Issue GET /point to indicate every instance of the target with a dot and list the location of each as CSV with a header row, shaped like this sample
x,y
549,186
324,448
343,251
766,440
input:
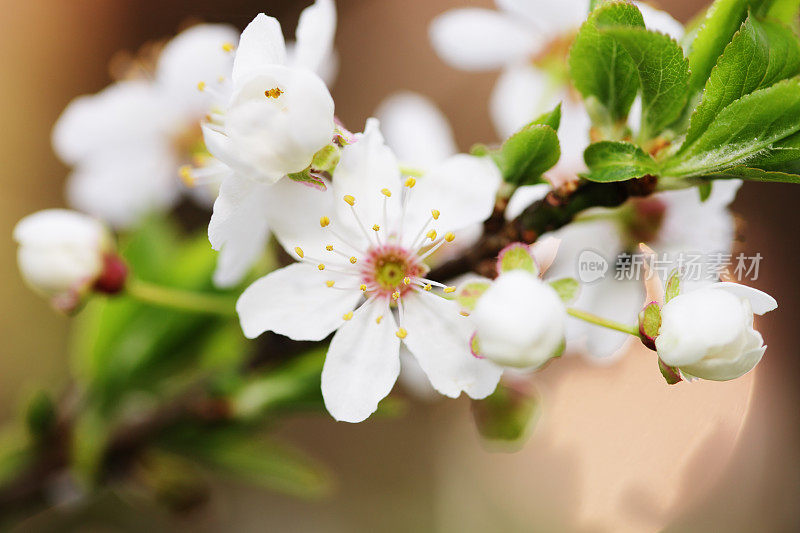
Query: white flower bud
x,y
520,321
62,254
708,333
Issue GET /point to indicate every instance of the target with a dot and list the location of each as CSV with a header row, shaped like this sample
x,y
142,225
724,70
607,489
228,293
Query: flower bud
x,y
520,321
63,254
708,333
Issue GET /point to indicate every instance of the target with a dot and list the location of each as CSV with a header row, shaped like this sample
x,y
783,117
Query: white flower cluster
x,y
253,123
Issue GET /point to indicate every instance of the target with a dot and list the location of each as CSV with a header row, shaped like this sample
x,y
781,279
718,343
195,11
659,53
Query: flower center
x,y
390,268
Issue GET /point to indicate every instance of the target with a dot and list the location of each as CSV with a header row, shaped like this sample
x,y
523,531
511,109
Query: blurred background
x,y
615,448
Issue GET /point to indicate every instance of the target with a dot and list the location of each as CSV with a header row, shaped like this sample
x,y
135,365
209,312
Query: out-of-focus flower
x,y
708,333
676,223
64,254
279,115
362,243
520,321
127,142
529,40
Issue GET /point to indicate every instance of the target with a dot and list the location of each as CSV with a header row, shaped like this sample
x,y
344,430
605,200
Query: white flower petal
x,y
615,300
481,39
196,55
362,363
546,16
260,45
439,338
238,228
314,35
462,189
760,302
365,168
295,301
544,252
413,378
122,186
121,116
416,130
660,21
523,197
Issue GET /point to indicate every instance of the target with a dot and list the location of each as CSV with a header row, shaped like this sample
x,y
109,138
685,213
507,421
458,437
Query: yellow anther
x,y
386,192
378,320
201,86
431,235
464,313
450,236
402,333
435,214
321,266
363,288
329,247
407,281
348,315
329,283
324,221
349,200
186,175
448,290
410,182
228,47
376,227
353,260
220,79
299,251
275,92
427,287
395,295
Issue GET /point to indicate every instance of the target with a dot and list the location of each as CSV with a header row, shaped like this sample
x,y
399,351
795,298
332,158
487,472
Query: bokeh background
x,y
716,457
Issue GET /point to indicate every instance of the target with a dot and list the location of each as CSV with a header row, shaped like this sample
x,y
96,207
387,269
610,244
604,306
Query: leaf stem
x,y
194,302
603,322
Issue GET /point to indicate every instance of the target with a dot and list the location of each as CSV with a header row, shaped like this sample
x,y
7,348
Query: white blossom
x,y
708,333
362,245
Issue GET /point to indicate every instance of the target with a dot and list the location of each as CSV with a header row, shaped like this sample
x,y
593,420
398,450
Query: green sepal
x,y
517,256
310,178
326,159
40,416
507,416
568,289
650,324
469,293
673,287
704,190
671,374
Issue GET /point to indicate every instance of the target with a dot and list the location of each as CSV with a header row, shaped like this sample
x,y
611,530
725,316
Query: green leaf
x,y
528,154
784,10
663,75
722,21
673,287
468,294
241,454
517,256
551,118
742,131
650,324
756,174
567,289
617,161
760,54
16,453
507,416
40,415
601,70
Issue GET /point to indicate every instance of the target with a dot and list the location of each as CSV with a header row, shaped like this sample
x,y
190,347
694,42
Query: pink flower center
x,y
391,269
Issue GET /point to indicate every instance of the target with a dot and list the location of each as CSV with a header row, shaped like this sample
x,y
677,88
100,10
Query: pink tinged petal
x,y
120,117
462,189
121,187
296,302
544,252
362,363
525,196
416,130
238,228
196,55
760,301
365,168
653,285
314,35
439,338
260,45
481,39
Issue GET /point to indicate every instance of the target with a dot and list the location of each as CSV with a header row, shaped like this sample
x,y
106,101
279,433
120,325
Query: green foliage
x,y
602,71
663,76
40,416
528,154
507,416
568,289
617,161
757,174
760,54
784,10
